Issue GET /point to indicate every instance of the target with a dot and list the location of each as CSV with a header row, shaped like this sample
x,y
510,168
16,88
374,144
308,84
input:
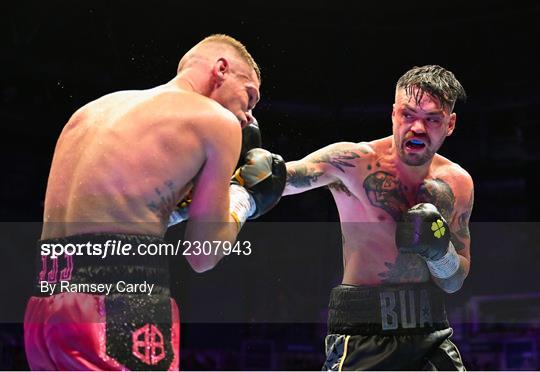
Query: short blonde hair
x,y
235,44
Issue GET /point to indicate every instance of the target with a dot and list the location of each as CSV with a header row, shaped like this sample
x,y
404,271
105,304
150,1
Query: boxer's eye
x,y
254,103
434,120
252,96
407,116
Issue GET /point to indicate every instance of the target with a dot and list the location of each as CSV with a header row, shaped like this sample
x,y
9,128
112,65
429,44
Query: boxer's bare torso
x,y
124,161
371,193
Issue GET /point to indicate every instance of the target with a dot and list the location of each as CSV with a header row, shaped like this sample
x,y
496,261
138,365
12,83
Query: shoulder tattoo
x,y
438,193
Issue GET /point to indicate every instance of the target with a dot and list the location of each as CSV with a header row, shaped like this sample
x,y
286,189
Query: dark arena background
x,y
329,72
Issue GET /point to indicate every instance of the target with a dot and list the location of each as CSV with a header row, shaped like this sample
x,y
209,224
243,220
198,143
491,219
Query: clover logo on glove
x,y
438,229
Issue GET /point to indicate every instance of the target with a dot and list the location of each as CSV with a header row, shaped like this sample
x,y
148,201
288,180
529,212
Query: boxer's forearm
x,y
303,176
323,167
201,263
200,234
454,283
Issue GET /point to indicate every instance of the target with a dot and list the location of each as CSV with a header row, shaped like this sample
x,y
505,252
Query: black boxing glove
x,y
422,230
263,177
251,138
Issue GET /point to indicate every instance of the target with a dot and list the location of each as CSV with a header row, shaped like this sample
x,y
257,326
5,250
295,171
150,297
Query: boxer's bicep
x,y
460,239
459,227
323,167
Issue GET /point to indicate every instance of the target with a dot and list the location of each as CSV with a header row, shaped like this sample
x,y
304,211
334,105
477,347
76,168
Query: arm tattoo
x,y
463,226
458,244
464,218
385,191
301,177
338,186
463,231
438,193
339,159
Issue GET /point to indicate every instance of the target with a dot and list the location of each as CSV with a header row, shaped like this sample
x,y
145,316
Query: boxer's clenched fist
x,y
263,176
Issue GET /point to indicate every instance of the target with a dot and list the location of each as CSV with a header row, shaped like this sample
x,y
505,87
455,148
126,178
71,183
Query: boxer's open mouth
x,y
415,144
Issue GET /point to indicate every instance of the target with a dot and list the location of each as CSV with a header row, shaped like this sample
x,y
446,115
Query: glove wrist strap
x,y
242,204
177,216
446,266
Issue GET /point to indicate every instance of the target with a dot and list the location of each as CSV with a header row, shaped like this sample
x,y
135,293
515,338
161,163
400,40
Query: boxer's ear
x,y
451,124
220,69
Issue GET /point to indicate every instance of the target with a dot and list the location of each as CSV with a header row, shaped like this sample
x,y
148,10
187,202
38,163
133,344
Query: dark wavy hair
x,y
435,81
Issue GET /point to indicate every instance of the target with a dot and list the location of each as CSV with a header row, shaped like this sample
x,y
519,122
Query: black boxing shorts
x,y
112,313
390,327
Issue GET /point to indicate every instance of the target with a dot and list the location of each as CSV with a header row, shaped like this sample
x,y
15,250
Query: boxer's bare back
x,y
124,161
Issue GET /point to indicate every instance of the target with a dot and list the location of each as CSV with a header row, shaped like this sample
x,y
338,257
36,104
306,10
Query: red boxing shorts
x,y
94,313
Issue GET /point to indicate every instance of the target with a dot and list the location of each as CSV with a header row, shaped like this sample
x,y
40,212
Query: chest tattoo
x,y
385,191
